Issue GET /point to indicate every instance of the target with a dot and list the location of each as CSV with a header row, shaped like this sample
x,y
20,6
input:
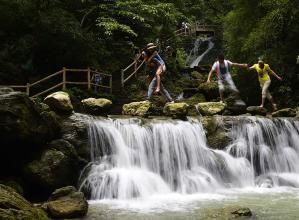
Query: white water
x,y
194,58
161,165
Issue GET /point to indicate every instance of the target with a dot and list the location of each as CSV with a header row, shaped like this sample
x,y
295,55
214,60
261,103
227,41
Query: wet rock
x,y
14,206
137,108
229,213
210,108
58,166
219,140
176,110
96,106
23,130
286,112
59,102
66,202
256,110
74,130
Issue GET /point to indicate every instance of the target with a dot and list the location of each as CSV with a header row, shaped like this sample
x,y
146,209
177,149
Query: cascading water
x,y
194,58
163,169
272,147
135,160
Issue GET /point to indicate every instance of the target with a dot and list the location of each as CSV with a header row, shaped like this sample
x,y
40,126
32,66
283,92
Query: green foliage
x,y
181,57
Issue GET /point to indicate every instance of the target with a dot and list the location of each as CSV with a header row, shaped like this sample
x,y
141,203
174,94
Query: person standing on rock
x,y
263,71
222,69
154,61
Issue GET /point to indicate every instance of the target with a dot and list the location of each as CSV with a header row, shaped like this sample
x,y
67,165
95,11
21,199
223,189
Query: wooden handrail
x,y
47,90
132,74
46,78
64,82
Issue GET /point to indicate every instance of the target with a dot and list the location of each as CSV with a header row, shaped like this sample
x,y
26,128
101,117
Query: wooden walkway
x,y
61,78
192,30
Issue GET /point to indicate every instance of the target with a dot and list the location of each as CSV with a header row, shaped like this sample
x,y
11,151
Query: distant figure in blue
x,y
97,80
154,61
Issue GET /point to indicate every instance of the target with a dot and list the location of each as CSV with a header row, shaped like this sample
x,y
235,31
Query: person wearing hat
x,y
154,61
263,71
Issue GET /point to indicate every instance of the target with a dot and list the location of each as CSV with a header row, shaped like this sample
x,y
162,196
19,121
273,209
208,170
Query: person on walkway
x,y
263,71
96,79
154,61
222,69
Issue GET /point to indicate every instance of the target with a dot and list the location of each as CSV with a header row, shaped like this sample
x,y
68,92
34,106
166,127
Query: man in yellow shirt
x,y
263,71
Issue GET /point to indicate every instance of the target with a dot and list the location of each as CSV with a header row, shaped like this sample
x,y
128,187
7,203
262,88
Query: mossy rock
x,y
137,108
210,108
219,140
210,90
256,110
228,213
96,106
14,206
66,202
58,166
59,102
176,110
286,112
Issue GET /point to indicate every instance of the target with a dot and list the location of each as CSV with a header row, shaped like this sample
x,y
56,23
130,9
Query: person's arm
x,y
274,74
251,68
152,56
245,65
209,76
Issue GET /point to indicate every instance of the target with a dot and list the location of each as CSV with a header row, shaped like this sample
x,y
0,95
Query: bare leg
x,y
158,76
221,95
263,102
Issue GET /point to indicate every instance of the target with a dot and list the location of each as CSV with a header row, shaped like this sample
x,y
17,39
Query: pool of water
x,y
274,203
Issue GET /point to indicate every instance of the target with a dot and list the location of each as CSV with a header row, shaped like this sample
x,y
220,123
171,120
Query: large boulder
x,y
58,166
137,108
66,202
14,206
256,110
59,102
23,131
176,110
210,108
286,112
96,106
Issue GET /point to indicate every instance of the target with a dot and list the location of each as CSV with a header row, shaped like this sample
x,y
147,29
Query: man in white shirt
x,y
222,69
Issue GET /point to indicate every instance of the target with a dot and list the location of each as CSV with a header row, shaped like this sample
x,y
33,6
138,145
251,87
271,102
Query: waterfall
x,y
131,159
194,58
134,158
272,147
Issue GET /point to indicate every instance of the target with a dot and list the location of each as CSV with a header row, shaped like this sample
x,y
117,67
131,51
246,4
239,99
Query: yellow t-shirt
x,y
262,73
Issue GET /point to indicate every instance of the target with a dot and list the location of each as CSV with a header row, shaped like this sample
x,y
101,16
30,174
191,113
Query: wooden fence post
x,y
88,79
28,89
122,78
63,78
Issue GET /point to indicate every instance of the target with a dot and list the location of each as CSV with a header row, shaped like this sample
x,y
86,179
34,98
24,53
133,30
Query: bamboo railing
x,y
64,82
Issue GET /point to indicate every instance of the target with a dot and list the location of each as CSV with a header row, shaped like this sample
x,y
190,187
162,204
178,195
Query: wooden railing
x,y
132,68
63,82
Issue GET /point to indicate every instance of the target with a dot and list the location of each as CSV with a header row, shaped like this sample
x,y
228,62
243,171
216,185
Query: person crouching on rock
x,y
222,68
154,61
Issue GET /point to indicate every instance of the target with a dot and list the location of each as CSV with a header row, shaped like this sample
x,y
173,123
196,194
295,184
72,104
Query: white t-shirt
x,y
222,69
